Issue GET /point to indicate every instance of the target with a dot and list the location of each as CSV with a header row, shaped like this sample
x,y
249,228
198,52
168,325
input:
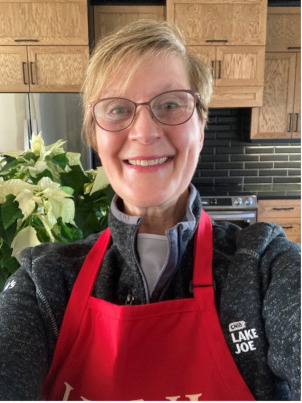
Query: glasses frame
x,y
195,94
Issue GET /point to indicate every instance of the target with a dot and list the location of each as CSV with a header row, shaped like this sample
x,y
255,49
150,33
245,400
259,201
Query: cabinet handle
x,y
290,122
24,72
287,226
31,72
283,208
294,47
213,69
297,122
26,40
219,68
216,40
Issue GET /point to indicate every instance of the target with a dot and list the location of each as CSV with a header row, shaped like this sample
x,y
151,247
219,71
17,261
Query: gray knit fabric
x,y
257,289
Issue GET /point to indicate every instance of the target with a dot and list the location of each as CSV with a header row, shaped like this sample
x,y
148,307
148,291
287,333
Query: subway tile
x,y
274,157
214,157
287,150
245,172
275,172
286,179
287,164
244,157
229,165
233,150
258,179
259,150
259,165
295,157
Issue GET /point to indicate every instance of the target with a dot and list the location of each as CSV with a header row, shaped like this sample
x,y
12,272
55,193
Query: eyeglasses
x,y
170,108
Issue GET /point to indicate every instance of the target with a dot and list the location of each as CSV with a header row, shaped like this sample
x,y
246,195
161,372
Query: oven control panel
x,y
229,202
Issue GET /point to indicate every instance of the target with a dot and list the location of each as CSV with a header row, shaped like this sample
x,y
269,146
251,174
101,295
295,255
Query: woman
x,y
165,304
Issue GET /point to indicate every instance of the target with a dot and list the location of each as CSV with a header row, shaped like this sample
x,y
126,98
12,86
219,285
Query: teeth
x,y
145,163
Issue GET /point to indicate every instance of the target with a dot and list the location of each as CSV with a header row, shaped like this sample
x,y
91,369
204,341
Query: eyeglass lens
x,y
169,108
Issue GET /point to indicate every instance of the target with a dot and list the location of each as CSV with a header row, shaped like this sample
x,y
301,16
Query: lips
x,y
147,162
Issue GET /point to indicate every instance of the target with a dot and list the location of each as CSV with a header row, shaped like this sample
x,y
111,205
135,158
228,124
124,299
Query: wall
x,y
230,164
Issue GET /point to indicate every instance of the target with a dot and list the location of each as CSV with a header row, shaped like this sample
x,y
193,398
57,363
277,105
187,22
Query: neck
x,y
157,220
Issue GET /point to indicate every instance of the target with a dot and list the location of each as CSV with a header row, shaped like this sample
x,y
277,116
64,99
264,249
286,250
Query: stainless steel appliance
x,y
57,115
241,210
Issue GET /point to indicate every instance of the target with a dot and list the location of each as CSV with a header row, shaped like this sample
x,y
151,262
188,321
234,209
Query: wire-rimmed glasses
x,y
169,108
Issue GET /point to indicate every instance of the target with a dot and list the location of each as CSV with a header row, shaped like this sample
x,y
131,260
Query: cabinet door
x,y
44,22
13,69
57,68
207,54
283,29
296,130
274,118
110,18
239,65
233,22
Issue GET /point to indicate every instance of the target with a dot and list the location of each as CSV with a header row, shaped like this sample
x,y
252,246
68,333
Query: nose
x,y
144,127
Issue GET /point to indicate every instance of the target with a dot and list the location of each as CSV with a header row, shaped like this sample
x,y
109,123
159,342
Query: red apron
x,y
169,350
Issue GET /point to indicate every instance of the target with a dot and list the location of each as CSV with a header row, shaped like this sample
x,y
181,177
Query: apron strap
x,y
203,252
80,294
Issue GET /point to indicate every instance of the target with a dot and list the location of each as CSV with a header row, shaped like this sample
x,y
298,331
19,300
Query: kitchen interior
x,y
249,168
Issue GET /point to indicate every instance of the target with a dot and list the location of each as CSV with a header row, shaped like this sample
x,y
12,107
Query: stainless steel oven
x,y
240,210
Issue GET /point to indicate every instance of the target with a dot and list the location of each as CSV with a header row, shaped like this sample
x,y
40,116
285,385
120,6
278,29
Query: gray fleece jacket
x,y
257,288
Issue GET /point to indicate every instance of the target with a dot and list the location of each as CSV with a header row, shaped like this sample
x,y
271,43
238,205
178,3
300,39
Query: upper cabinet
x,y
231,22
43,22
229,36
280,116
43,45
110,18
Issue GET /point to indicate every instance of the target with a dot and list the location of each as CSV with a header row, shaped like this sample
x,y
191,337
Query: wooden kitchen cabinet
x,y
283,29
229,36
43,22
110,18
238,73
229,22
42,68
280,116
285,212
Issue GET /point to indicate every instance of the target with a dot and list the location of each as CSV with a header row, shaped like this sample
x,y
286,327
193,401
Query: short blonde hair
x,y
137,42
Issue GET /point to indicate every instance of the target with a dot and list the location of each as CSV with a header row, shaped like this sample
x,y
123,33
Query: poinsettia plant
x,y
46,196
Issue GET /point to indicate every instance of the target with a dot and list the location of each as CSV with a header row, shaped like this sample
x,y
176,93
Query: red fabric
x,y
170,350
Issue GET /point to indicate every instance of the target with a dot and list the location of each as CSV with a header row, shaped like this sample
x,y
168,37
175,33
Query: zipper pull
x,y
129,299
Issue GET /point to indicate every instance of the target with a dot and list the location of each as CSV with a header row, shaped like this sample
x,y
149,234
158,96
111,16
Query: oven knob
x,y
238,201
248,201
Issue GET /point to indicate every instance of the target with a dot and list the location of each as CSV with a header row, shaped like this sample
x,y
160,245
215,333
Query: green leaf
x,y
10,211
11,163
60,160
75,179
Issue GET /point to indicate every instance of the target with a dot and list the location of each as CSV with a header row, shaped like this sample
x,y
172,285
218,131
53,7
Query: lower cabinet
x,y
285,212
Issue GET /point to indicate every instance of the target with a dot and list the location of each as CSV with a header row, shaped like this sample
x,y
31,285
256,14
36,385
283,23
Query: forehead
x,y
148,77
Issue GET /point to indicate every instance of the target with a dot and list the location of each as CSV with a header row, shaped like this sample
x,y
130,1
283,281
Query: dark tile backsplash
x,y
230,164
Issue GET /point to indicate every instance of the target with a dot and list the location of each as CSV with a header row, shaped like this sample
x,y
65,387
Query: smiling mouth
x,y
145,163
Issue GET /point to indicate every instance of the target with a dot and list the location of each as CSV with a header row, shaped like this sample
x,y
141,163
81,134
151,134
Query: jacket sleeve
x,y
23,340
281,312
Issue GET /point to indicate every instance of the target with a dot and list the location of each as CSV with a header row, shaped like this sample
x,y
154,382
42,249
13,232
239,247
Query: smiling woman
x,y
131,313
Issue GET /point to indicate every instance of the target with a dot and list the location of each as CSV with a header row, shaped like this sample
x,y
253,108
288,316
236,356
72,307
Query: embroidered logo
x,y
242,338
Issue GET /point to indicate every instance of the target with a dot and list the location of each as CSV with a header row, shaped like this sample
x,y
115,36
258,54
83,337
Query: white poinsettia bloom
x,y
27,201
25,238
101,181
50,189
56,148
37,144
63,208
14,186
40,166
74,159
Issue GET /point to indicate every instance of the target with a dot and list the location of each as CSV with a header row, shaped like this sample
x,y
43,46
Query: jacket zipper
x,y
129,299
